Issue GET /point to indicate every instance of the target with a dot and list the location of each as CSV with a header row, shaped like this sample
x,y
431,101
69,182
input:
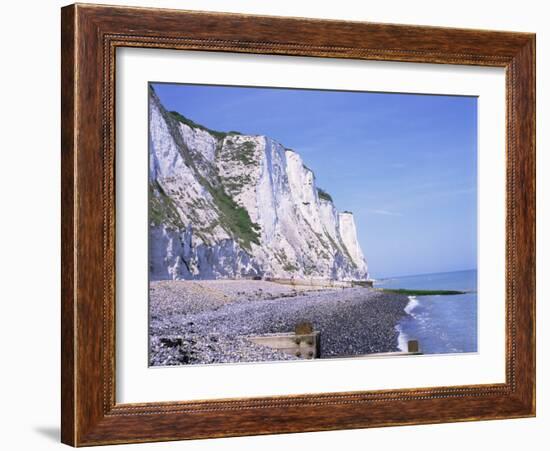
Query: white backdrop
x,y
30,224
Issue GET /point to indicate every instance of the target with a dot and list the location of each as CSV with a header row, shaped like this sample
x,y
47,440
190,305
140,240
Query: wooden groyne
x,y
413,348
305,343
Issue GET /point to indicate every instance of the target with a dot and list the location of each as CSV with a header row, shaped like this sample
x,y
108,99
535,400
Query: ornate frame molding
x,y
90,36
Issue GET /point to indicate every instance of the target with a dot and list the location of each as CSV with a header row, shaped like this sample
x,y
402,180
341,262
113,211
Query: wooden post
x,y
412,346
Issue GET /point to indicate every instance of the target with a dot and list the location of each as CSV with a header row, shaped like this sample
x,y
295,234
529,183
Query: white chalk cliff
x,y
227,205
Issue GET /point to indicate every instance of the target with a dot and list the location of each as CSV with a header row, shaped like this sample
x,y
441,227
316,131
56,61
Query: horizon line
x,y
423,274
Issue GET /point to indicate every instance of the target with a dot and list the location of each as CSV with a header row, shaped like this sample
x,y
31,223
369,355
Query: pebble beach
x,y
208,321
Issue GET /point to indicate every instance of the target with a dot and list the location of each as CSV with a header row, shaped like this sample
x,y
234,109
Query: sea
x,y
442,323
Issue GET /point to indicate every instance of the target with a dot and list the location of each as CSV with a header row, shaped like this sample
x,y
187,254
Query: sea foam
x,y
403,338
413,302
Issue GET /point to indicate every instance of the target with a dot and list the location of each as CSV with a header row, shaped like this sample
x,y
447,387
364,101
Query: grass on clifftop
x,y
421,292
324,195
190,123
242,152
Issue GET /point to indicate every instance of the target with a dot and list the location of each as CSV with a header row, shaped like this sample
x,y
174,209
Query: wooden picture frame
x,y
90,36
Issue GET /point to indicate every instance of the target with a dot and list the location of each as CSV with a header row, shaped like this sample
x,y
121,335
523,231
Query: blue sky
x,y
405,165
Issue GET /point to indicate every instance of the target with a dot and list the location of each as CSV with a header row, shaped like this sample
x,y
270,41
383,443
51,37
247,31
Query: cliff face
x,y
232,205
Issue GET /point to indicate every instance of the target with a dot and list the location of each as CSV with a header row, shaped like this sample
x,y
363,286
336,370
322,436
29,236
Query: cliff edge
x,y
228,205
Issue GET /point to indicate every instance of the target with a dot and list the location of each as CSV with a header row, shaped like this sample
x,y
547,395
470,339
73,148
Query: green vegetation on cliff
x,y
162,210
235,217
190,123
324,195
237,150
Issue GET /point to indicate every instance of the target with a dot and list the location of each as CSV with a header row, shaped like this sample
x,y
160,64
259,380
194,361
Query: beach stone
x,y
212,327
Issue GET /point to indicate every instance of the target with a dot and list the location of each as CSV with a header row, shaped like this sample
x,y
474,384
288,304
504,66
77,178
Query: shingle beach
x,y
208,321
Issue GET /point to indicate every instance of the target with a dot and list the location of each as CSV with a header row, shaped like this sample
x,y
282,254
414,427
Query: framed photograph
x,y
279,225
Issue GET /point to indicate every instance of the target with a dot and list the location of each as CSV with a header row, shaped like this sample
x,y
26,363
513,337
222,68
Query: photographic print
x,y
299,224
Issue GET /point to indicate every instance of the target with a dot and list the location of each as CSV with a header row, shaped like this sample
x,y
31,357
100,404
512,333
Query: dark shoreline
x,y
408,292
208,321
